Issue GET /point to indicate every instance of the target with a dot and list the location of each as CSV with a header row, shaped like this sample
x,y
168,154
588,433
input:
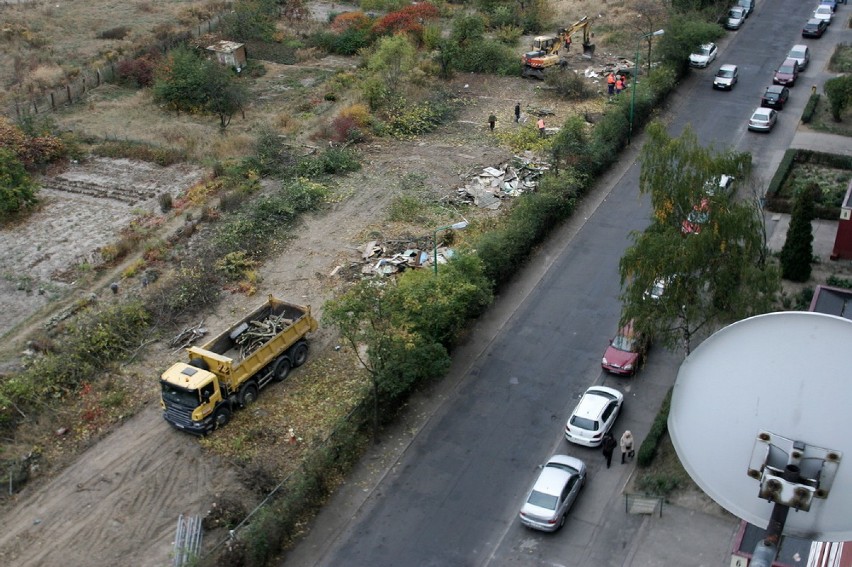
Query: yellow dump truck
x,y
229,371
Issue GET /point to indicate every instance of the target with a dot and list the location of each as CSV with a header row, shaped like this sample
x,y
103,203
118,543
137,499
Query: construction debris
x,y
493,184
258,333
188,336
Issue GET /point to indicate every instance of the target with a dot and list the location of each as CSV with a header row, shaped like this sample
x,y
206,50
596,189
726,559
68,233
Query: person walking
x,y
608,446
626,443
540,125
518,112
610,83
492,119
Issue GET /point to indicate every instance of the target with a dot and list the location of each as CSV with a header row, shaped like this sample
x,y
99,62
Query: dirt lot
x,y
121,498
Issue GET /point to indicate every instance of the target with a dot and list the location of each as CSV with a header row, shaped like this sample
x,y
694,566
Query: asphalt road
x,y
452,497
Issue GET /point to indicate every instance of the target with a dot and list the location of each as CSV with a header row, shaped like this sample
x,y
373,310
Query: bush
x,y
648,449
330,162
568,84
487,56
17,190
165,201
783,171
119,32
839,282
810,108
137,73
140,151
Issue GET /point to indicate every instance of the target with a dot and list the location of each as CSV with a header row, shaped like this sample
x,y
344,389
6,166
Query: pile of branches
x,y
261,332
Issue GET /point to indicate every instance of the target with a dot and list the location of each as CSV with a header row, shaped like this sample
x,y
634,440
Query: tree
x,y
251,19
17,191
839,93
717,274
189,82
684,34
797,254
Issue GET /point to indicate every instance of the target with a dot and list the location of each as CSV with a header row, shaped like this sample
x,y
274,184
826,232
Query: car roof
x,y
762,111
814,22
799,47
594,401
553,479
775,88
790,61
728,67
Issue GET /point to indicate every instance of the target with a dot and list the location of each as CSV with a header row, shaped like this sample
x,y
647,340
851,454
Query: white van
x,y
800,53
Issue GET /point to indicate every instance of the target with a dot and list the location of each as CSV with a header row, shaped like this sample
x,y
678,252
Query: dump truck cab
x,y
193,395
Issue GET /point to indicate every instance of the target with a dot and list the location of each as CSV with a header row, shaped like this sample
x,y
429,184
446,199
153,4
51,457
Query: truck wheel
x,y
223,416
300,354
248,395
282,369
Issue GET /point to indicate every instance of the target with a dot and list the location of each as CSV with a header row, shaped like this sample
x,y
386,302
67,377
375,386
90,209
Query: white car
x,y
705,55
736,18
726,77
823,12
553,493
594,415
762,120
800,53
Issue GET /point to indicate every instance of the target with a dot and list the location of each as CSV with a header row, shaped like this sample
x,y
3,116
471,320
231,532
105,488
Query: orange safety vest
x,y
610,79
619,85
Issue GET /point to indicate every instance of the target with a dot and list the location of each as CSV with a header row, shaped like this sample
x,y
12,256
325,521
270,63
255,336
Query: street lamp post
x,y
461,225
635,73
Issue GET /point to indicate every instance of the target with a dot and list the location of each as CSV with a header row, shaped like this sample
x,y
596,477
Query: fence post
x,y
98,77
35,106
84,82
68,90
52,101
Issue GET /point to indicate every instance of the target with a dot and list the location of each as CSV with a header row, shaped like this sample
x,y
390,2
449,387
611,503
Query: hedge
x,y
648,449
810,108
778,204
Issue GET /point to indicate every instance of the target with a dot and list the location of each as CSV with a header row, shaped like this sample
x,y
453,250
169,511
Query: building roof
x,y
832,301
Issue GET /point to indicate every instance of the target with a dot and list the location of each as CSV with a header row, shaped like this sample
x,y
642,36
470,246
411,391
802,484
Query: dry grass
x,y
65,36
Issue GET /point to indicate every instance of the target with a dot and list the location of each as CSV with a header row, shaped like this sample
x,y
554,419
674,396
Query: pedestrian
x,y
568,43
626,445
492,120
518,112
608,446
619,84
610,83
540,125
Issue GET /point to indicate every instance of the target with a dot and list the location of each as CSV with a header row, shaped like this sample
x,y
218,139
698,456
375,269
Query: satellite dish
x,y
759,394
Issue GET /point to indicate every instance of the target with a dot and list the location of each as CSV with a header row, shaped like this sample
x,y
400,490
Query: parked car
x,y
726,77
736,17
762,119
830,3
747,5
594,415
625,352
706,54
802,54
787,73
775,96
824,12
814,28
697,217
553,493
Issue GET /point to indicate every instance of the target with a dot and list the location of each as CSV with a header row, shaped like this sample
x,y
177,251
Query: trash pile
x,y
493,184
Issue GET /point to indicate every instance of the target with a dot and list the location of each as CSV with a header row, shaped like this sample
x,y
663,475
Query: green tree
x,y
839,93
390,64
716,275
797,254
468,29
251,19
189,82
17,190
684,34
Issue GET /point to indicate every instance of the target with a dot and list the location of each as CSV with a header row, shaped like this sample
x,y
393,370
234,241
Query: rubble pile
x,y
494,184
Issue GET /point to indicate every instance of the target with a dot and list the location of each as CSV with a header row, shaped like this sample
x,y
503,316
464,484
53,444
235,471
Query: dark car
x,y
814,28
775,97
787,73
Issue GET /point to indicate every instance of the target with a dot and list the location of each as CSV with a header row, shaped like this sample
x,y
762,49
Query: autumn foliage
x,y
30,150
409,20
350,20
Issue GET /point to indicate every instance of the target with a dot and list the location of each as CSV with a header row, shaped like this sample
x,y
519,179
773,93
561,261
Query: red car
x,y
625,351
698,216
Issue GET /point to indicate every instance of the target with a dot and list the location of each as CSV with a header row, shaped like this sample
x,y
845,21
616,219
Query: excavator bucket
x,y
588,49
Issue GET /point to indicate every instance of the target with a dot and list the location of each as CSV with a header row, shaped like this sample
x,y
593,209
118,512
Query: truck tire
x,y
199,363
222,417
300,354
282,369
248,395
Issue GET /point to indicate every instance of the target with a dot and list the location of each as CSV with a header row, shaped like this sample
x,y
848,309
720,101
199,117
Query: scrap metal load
x,y
545,49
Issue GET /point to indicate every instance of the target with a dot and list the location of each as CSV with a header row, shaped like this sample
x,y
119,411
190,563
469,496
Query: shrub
x,y
839,93
487,56
839,282
138,72
330,162
17,190
140,151
119,32
165,201
797,253
408,20
568,84
648,449
783,171
810,108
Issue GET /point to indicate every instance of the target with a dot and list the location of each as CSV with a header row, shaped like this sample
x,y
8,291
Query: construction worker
x,y
610,83
540,125
619,84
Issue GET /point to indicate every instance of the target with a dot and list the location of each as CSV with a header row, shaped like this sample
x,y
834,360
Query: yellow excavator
x,y
545,49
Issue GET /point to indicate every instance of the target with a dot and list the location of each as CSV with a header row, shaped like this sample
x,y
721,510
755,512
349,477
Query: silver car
x,y
726,77
706,54
736,17
594,415
762,120
553,493
802,54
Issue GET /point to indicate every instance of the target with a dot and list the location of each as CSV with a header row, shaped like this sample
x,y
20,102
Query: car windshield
x,y
180,396
622,342
543,500
823,10
725,73
760,116
584,423
771,95
797,54
704,50
735,13
788,69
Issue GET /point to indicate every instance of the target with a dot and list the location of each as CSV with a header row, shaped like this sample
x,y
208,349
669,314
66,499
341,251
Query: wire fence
x,y
50,100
